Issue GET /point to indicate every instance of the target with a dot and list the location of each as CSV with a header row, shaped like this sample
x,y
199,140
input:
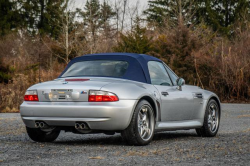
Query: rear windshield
x,y
97,68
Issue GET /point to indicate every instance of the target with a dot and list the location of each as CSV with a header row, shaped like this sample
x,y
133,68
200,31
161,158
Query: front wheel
x,y
39,135
141,128
211,120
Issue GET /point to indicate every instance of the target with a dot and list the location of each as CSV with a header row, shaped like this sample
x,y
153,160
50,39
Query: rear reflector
x,y
102,96
31,95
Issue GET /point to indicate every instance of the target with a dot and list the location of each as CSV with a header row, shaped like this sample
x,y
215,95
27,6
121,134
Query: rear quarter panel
x,y
131,90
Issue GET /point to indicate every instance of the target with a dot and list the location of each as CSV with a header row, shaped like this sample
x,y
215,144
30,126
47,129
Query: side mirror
x,y
180,82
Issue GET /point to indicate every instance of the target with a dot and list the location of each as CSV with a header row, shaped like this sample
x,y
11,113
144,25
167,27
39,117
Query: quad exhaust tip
x,y
37,124
41,125
80,126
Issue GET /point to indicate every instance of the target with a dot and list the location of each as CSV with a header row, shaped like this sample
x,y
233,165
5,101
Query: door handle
x,y
164,93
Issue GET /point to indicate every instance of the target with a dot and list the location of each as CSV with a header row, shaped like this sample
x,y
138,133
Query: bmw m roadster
x,y
132,94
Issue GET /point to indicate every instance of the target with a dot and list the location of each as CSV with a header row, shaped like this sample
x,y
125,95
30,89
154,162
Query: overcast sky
x,y
142,3
131,5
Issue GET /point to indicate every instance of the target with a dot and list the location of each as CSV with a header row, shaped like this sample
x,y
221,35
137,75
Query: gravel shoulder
x,y
230,147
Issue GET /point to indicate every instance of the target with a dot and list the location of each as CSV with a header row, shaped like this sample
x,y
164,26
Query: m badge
x,y
83,92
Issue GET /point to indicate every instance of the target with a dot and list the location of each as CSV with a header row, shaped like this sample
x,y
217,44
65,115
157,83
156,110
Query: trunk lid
x,y
69,89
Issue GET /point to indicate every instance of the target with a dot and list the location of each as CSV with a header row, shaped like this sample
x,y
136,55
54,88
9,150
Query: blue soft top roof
x,y
137,69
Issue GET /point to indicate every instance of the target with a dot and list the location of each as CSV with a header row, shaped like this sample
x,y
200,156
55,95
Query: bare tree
x,y
117,11
66,40
123,13
133,13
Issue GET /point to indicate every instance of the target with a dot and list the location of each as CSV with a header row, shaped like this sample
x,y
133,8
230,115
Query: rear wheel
x,y
39,135
211,120
141,128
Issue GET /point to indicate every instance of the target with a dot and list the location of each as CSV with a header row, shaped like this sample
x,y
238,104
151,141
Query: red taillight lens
x,y
31,98
31,95
102,96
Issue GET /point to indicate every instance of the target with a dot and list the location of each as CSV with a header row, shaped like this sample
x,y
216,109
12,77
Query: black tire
x,y
205,130
131,133
38,135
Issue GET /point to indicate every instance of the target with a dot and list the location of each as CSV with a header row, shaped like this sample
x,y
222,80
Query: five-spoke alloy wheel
x,y
211,120
213,117
141,128
145,122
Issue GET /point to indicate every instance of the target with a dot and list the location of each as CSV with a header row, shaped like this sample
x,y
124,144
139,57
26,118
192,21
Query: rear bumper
x,y
98,115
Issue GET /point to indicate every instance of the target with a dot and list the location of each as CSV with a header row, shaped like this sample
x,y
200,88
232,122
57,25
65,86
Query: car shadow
x,y
94,139
101,139
172,135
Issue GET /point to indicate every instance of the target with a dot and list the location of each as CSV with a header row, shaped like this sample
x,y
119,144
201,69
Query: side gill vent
x,y
198,95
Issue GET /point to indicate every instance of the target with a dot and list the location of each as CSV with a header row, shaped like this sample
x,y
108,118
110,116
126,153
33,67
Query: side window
x,y
158,74
172,75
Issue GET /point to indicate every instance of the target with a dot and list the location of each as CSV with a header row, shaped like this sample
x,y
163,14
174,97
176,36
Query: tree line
x,y
46,16
204,41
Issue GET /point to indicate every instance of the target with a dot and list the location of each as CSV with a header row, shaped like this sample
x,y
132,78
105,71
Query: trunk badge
x,y
65,82
83,92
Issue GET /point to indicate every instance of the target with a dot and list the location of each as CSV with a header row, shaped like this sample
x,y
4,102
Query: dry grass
x,y
11,95
247,130
244,116
97,157
136,153
117,153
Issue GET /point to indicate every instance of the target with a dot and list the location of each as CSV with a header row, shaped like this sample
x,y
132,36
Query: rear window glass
x,y
97,68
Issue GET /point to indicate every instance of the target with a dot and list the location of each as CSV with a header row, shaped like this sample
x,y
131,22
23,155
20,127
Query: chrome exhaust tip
x,y
82,126
77,126
37,124
41,125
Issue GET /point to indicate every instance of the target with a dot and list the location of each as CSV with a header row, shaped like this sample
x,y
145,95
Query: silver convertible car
x,y
132,94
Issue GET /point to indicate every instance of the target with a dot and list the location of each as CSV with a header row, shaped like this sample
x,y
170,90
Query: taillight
x,y
31,95
102,96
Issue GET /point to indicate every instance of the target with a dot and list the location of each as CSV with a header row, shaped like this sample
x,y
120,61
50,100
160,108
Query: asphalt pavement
x,y
231,146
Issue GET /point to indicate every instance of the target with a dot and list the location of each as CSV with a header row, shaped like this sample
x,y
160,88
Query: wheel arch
x,y
155,105
217,101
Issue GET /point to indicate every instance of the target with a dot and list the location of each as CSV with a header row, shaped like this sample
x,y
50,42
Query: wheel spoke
x,y
213,112
144,110
214,126
149,130
144,133
211,126
144,118
210,111
141,130
209,119
145,126
139,124
140,115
